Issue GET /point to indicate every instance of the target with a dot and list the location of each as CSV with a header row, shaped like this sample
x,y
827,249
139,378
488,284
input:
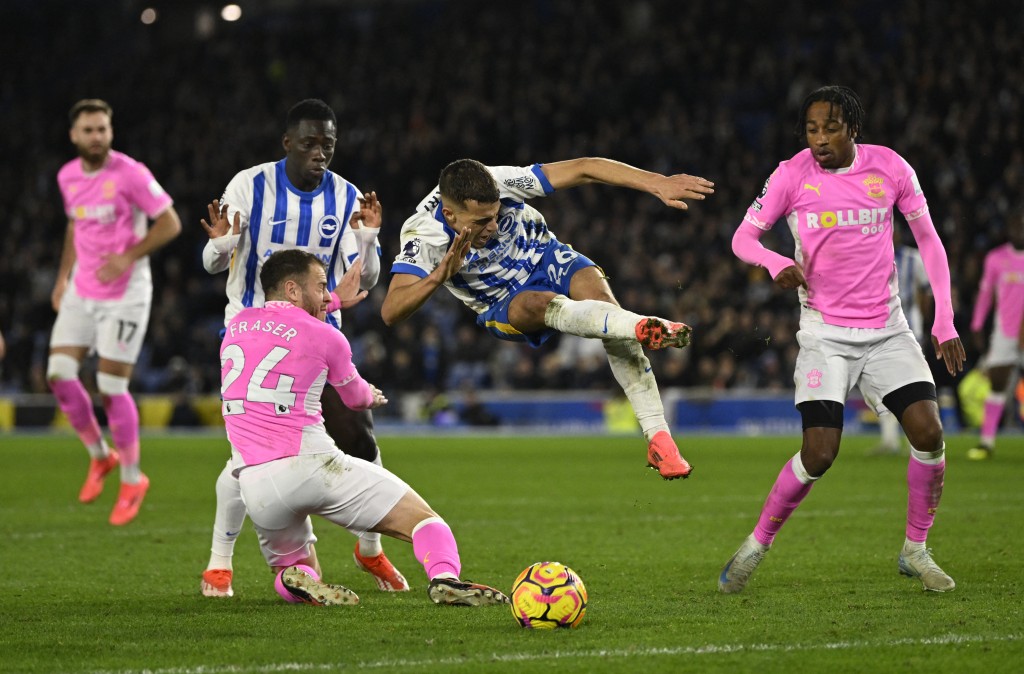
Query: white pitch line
x,y
710,649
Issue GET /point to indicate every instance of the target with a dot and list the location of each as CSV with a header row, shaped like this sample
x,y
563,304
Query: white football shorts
x,y
280,496
1002,350
114,329
833,359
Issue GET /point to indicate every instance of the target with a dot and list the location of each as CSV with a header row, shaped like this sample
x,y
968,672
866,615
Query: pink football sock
x,y
123,419
435,548
786,494
993,415
924,487
77,406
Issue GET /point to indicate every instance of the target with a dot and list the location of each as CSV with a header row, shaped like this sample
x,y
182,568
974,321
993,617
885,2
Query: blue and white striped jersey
x,y
911,279
503,265
275,215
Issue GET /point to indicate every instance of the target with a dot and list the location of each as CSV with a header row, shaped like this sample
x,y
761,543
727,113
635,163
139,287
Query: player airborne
x,y
476,235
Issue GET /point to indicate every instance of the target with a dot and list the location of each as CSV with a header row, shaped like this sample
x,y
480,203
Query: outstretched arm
x,y
407,292
672,190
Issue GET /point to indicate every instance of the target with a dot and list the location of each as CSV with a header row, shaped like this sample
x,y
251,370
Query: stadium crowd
x,y
417,84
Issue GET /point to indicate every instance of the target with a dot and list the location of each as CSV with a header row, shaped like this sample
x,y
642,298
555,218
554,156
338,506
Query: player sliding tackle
x,y
476,235
275,362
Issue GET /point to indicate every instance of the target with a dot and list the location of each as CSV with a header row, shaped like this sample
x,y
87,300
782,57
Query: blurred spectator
x,y
634,81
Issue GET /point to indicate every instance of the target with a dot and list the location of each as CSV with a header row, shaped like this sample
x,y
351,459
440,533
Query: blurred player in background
x,y
275,362
838,197
103,296
1003,277
476,235
915,299
297,202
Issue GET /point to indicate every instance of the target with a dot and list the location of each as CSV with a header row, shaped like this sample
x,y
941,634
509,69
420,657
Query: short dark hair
x,y
310,109
286,264
89,105
466,179
844,97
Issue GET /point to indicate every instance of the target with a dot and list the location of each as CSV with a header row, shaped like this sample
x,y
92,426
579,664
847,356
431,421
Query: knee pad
x,y
61,367
111,385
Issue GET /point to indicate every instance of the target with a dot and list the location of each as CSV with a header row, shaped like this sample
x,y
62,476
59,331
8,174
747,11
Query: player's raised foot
x,y
129,500
919,564
658,333
737,570
461,593
216,583
979,453
308,589
664,457
388,578
98,469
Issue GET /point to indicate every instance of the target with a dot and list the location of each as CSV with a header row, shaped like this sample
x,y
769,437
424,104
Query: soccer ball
x,y
548,595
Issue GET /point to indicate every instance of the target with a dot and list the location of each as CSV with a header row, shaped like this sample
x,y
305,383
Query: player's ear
x,y
285,141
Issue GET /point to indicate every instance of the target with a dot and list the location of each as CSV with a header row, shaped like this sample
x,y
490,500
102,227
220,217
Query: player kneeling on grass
x,y
275,362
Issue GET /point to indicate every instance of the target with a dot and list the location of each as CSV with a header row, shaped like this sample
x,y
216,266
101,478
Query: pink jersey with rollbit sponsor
x,y
842,222
275,361
110,209
1003,276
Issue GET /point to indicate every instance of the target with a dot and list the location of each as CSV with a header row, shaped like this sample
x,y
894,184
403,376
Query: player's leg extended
x,y
590,310
227,524
632,370
352,432
925,476
434,545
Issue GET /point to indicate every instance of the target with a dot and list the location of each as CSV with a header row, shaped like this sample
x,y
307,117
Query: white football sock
x,y
591,318
890,429
228,519
369,542
633,372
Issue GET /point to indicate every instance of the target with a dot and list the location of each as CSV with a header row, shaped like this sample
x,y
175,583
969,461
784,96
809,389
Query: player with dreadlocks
x,y
838,198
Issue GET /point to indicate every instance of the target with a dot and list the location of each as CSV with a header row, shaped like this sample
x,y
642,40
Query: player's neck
x,y
89,166
297,182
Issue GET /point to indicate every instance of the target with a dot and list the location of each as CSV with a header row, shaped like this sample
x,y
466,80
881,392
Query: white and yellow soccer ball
x,y
548,595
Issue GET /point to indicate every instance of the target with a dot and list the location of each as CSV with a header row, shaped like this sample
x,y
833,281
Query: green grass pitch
x,y
77,595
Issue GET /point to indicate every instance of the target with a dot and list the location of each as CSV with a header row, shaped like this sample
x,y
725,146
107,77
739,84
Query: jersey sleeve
x,y
238,198
910,199
237,195
521,182
342,374
424,242
986,291
146,193
772,203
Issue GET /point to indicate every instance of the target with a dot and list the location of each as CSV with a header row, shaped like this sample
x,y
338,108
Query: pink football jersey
x,y
109,209
1003,276
842,222
275,361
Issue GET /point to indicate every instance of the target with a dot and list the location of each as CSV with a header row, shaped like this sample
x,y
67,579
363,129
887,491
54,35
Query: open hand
x,y
218,225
